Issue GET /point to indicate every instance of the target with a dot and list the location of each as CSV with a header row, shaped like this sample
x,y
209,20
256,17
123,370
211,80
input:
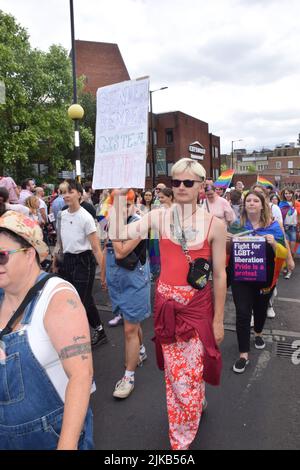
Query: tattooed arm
x,y
68,329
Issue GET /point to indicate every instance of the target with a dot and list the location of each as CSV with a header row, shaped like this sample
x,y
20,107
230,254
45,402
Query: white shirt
x,y
18,208
40,342
276,212
291,219
43,205
75,229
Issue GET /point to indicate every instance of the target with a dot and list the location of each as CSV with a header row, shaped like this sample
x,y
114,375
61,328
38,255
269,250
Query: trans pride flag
x,y
263,182
224,179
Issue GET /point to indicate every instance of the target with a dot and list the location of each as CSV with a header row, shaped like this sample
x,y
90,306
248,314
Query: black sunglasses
x,y
186,183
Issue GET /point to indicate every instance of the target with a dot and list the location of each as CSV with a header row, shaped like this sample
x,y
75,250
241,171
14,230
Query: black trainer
x,y
240,366
99,336
259,342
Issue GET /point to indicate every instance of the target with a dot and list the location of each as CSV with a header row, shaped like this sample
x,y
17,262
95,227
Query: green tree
x,y
34,125
251,169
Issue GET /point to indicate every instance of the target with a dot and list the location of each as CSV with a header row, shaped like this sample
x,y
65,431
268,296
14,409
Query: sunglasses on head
x,y
186,183
4,254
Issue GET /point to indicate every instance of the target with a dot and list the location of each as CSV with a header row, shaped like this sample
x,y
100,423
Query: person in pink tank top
x,y
189,310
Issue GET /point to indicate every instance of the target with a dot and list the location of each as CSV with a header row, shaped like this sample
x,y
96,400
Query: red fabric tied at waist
x,y
172,320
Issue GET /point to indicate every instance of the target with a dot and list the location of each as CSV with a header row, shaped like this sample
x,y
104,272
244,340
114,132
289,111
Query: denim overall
x,y
31,411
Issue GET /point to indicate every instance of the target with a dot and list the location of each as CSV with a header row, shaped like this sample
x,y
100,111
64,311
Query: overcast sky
x,y
232,63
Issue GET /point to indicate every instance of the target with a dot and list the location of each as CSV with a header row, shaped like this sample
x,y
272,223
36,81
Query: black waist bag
x,y
130,262
199,272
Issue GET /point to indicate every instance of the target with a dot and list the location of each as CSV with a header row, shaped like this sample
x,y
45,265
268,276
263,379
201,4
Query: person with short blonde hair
x,y
189,310
189,165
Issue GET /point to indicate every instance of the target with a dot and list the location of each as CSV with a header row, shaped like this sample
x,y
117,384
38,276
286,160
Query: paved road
x,y
258,410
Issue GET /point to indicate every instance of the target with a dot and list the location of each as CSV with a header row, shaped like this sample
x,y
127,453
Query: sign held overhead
x,y
121,135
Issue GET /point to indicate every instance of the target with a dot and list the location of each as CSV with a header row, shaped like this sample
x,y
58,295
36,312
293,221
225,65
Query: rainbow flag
x,y
263,182
296,248
102,217
224,179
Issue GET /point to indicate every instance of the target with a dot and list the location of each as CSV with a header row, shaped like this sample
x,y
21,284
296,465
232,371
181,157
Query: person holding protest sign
x,y
252,292
188,316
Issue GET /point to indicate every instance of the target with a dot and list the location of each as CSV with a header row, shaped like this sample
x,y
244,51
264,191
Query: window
x,y
279,153
154,137
216,152
161,161
278,165
216,173
290,165
148,170
170,168
169,136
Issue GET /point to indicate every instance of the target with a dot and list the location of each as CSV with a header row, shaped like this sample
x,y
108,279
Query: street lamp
x,y
75,111
153,159
232,142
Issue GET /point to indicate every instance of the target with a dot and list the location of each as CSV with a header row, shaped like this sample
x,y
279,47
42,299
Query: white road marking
x,y
287,299
262,364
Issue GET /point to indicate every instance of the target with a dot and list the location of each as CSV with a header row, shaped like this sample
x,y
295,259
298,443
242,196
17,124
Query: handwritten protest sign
x,y
121,135
249,259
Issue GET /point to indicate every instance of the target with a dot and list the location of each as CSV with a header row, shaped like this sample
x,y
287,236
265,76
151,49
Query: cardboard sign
x,y
249,259
121,135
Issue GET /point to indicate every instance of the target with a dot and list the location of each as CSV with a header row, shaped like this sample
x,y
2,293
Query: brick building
x,y
281,165
178,135
284,165
101,63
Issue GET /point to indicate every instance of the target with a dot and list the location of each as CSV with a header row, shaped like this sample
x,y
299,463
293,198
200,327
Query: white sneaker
x,y
271,313
252,322
118,320
123,388
288,275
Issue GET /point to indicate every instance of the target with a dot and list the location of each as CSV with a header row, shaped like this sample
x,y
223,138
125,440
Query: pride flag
x,y
263,182
296,248
102,217
224,179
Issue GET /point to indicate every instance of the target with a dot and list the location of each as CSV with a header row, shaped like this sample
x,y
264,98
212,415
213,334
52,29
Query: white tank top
x,y
39,340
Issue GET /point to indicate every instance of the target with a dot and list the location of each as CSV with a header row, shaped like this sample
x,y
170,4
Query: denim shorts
x,y
290,232
129,291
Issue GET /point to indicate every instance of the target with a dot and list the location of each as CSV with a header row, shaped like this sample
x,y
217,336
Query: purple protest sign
x,y
249,259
